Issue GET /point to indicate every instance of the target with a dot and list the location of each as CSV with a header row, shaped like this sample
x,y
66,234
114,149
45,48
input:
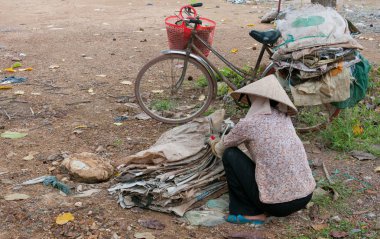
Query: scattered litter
x,y
157,91
22,55
118,123
87,193
126,82
142,116
88,167
16,65
101,76
360,155
250,25
234,50
64,218
121,118
91,91
55,28
105,24
88,58
19,92
78,204
10,70
270,16
26,69
16,197
49,180
54,67
144,235
205,218
13,135
377,169
35,93
5,87
151,224
237,1
30,156
53,181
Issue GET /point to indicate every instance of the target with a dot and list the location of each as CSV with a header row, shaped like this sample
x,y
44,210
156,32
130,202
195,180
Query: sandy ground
x,y
117,37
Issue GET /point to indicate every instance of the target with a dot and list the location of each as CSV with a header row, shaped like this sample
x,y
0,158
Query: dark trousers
x,y
244,192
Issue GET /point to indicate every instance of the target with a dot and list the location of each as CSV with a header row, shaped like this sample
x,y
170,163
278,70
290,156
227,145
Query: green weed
x,y
201,82
162,105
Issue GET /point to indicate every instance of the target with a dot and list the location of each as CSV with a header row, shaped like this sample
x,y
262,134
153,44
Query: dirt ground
x,y
97,44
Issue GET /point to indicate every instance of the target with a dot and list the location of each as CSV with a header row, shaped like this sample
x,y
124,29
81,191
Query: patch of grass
x,y
118,142
340,134
222,89
232,76
201,82
209,111
162,105
310,116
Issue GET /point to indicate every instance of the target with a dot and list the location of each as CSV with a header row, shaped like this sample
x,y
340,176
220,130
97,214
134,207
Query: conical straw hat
x,y
267,87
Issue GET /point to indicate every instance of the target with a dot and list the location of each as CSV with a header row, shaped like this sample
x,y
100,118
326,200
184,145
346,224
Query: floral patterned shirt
x,y
282,170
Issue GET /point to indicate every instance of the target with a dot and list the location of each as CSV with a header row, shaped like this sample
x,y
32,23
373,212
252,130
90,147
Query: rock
x,y
336,219
16,59
78,204
79,188
362,155
88,167
370,215
100,149
151,224
144,235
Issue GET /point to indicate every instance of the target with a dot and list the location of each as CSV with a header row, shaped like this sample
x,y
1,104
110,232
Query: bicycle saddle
x,y
267,37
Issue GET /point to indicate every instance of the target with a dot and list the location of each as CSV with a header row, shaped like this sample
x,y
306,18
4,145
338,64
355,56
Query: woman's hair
x,y
273,103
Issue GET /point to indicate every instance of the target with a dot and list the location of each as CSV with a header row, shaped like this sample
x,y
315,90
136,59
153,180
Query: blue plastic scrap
x,y
12,80
53,181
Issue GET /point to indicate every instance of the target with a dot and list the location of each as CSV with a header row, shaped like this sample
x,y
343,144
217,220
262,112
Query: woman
x,y
276,179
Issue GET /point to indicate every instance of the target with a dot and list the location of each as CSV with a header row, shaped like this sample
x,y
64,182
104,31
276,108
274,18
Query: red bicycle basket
x,y
179,35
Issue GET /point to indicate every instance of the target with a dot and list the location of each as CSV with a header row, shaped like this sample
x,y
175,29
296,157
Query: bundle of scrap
x,y
175,173
316,55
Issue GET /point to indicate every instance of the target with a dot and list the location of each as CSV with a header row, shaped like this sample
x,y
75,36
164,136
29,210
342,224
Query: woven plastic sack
x,y
358,87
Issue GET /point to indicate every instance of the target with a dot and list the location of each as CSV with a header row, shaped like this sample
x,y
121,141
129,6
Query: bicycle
x,y
189,86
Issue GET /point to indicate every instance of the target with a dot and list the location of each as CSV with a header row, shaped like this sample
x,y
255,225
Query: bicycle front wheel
x,y
170,92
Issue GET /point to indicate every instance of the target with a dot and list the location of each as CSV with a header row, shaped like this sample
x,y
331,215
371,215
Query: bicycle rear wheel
x,y
162,95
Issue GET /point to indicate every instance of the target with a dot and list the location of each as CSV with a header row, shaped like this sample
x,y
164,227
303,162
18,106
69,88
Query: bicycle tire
x,y
149,78
329,110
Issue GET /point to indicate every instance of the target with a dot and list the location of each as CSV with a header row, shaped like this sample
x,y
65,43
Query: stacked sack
x,y
319,59
175,173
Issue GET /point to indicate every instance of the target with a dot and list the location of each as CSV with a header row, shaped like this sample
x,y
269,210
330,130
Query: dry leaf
x,y
16,196
338,234
250,25
144,235
234,50
357,130
64,218
319,227
5,87
377,169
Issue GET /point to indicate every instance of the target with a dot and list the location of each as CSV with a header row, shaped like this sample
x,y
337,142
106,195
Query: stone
x,y
88,167
78,204
336,219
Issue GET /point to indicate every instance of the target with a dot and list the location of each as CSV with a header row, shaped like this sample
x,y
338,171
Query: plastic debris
x,y
26,69
5,87
16,65
118,123
19,92
53,181
12,80
377,169
64,218
10,70
142,116
101,76
16,196
87,193
13,135
121,118
35,180
91,91
30,156
54,67
205,218
126,82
